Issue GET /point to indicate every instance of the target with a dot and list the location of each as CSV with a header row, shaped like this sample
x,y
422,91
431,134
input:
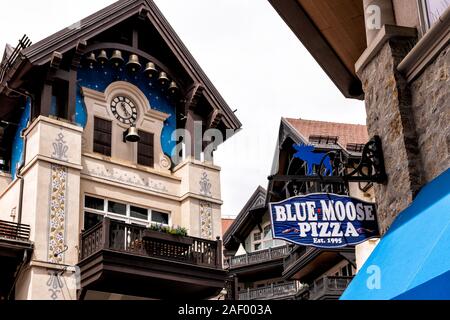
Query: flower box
x,y
166,237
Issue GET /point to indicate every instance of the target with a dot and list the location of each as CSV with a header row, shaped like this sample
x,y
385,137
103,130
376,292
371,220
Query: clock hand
x,y
127,114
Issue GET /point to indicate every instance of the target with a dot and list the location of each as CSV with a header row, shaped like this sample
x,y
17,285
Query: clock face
x,y
124,110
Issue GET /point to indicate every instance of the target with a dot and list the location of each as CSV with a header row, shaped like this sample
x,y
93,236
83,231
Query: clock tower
x,y
107,214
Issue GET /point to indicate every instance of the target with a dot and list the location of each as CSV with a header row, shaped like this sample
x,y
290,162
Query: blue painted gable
x,y
99,77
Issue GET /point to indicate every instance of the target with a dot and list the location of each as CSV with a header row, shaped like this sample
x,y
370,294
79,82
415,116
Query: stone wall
x,y
412,121
388,107
431,109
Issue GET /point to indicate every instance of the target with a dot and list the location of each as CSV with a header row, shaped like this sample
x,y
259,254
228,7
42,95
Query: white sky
x,y
248,52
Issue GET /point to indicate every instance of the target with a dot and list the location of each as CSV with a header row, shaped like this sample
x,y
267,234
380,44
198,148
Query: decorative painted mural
x,y
206,226
128,178
17,147
60,148
205,185
57,214
99,77
54,284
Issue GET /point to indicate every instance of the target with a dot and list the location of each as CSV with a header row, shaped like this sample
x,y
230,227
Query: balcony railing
x,y
258,256
328,286
296,254
273,291
14,231
121,237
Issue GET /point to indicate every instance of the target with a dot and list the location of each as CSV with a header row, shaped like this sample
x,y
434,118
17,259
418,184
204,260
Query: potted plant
x,y
167,234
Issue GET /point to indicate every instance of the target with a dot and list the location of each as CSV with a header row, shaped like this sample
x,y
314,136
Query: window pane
x,y
160,217
139,213
102,136
118,208
257,246
94,203
91,219
268,244
267,231
257,236
435,9
145,149
344,272
278,243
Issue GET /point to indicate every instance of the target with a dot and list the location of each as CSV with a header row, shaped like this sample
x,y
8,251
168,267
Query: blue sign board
x,y
324,220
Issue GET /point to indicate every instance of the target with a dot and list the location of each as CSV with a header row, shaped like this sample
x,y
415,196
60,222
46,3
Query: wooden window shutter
x,y
145,149
102,136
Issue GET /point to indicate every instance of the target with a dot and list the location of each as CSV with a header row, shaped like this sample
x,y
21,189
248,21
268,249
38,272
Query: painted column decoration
x,y
205,185
54,284
60,148
206,227
57,214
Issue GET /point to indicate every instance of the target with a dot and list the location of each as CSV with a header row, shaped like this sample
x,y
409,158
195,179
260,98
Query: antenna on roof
x,y
9,60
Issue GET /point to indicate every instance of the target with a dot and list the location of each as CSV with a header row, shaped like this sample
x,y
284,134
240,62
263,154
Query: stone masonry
x,y
411,119
431,109
388,107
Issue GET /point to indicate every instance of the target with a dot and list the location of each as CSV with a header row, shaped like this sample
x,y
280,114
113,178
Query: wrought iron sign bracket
x,y
370,168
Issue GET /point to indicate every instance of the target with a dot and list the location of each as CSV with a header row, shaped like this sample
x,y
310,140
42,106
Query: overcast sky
x,y
248,52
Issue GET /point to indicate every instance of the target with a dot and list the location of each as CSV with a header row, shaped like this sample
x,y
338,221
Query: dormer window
x,y
318,139
355,147
264,240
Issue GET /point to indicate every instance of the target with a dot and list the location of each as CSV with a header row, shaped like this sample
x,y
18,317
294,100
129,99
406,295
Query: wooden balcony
x,y
308,263
15,250
258,257
14,231
127,259
328,288
283,291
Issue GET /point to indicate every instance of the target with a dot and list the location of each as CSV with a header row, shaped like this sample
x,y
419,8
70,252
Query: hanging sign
x,y
324,220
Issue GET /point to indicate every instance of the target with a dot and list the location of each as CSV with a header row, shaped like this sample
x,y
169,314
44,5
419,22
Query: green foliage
x,y
178,231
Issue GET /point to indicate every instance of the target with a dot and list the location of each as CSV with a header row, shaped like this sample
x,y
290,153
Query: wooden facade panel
x,y
342,24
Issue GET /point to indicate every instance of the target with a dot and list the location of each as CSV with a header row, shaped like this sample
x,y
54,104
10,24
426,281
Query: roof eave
x,y
66,39
242,217
306,31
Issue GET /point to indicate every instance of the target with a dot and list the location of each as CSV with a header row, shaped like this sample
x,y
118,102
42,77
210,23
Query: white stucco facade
x,y
61,168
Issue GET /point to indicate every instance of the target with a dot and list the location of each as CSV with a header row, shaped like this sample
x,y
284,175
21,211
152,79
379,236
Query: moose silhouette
x,y
306,153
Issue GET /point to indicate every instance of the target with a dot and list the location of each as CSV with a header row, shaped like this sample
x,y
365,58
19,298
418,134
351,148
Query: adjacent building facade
x,y
261,267
100,197
394,54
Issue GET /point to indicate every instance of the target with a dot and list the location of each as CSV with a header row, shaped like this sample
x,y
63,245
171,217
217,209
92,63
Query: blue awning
x,y
412,261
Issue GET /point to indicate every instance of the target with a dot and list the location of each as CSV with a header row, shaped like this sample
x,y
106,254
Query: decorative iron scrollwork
x,y
371,167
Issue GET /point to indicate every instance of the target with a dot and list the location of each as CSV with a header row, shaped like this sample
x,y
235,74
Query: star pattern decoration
x,y
98,78
101,76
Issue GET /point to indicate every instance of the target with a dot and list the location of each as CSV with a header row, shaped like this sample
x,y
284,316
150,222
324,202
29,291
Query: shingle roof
x,y
226,223
347,133
66,39
242,220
